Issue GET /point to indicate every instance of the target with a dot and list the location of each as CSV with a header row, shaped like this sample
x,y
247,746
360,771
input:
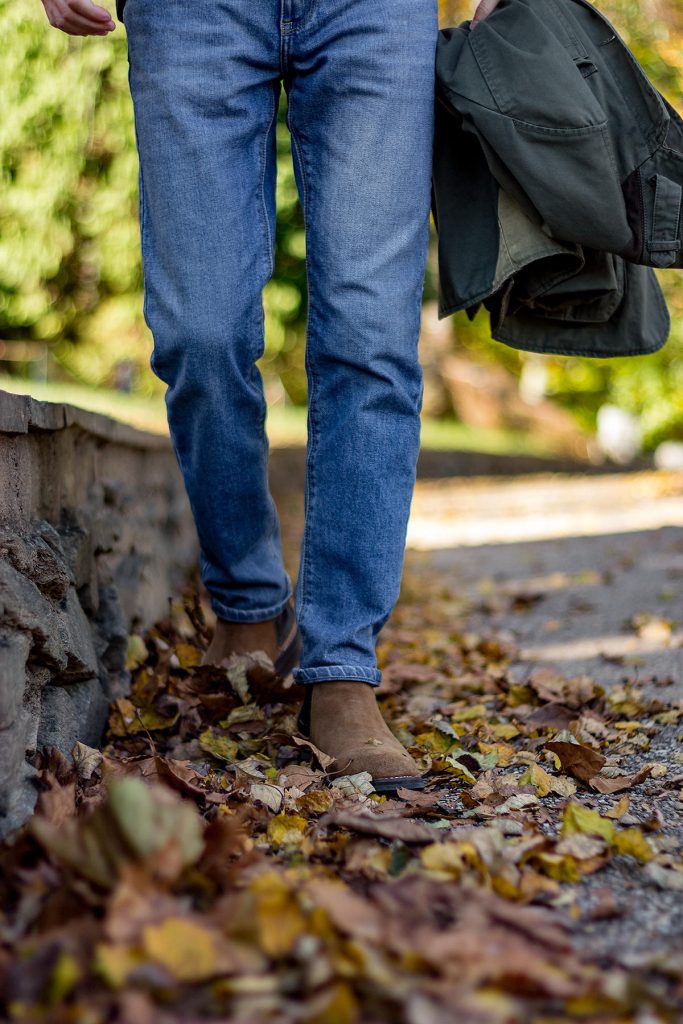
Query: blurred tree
x,y
70,273
70,269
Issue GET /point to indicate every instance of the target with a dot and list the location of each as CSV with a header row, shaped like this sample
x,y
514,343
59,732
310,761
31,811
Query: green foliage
x,y
70,269
70,273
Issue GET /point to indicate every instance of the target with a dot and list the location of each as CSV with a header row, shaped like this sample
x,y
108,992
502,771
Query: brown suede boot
x,y
278,638
241,638
344,721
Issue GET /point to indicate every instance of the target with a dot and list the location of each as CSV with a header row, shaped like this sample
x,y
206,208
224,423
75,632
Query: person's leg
x,y
360,79
205,82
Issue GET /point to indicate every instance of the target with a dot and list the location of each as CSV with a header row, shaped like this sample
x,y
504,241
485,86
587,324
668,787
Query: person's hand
x,y
483,10
78,17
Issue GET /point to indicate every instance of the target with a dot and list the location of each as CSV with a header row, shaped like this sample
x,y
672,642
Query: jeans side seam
x,y
313,429
270,258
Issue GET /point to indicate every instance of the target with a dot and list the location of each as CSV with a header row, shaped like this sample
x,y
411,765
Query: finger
x,y
76,24
483,10
90,11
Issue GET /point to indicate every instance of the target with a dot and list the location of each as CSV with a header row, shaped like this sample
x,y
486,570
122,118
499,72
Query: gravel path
x,y
585,575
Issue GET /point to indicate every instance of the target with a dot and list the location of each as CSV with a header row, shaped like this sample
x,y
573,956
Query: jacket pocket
x,y
531,69
570,176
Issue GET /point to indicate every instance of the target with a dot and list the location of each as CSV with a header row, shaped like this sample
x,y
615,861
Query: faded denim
x,y
205,78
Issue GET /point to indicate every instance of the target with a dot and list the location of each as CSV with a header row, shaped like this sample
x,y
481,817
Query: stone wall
x,y
95,535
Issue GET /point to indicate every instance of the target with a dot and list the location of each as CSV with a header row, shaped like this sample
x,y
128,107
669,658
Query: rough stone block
x,y
95,535
14,649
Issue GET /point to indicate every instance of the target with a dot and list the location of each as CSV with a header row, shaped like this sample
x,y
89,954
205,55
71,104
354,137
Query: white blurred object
x,y
619,434
533,382
669,455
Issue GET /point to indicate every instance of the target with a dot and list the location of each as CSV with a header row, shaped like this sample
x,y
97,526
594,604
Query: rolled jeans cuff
x,y
337,673
227,614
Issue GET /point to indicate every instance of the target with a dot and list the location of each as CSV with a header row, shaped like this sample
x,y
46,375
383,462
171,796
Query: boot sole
x,y
405,782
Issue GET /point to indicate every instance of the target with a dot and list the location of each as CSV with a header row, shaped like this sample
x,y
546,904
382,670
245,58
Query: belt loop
x,y
577,49
665,245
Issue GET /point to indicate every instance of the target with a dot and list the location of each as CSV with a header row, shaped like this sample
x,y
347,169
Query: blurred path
x,y
586,573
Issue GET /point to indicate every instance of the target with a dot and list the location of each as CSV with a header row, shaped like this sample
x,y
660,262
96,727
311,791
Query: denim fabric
x,y
205,77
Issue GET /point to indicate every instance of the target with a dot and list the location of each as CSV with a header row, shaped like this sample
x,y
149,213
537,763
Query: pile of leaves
x,y
208,865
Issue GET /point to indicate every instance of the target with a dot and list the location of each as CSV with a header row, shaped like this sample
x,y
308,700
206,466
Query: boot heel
x,y
304,720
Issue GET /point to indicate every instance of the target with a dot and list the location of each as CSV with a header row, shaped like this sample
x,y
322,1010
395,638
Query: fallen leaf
x,y
186,950
136,823
388,827
270,796
324,760
355,786
619,783
287,830
664,878
86,759
582,762
582,819
632,843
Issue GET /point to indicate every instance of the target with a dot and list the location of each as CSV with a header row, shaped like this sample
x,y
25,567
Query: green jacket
x,y
558,174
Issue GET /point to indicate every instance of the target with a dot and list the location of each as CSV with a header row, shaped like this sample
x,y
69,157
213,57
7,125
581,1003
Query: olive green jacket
x,y
558,174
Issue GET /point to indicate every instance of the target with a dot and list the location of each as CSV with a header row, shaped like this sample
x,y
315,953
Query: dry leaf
x,y
582,762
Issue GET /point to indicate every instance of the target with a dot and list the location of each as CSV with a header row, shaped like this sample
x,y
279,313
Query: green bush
x,y
70,274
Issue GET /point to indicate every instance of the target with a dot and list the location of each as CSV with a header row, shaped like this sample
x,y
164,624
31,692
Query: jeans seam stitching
x,y
270,259
310,482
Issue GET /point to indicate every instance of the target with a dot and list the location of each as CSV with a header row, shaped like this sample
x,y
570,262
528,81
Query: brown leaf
x,y
180,774
388,828
86,760
324,760
352,914
615,785
551,716
299,776
582,762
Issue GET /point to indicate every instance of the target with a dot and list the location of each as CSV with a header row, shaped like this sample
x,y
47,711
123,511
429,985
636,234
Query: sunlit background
x,y
71,324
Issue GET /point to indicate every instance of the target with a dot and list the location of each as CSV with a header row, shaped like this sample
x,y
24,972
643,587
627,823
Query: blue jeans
x,y
205,77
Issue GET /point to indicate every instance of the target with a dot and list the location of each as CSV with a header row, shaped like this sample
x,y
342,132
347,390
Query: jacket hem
x,y
556,350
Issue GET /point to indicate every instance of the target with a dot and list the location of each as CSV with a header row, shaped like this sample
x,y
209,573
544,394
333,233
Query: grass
x,y
286,423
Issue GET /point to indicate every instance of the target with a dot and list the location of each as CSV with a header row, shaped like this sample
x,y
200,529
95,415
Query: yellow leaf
x,y
286,830
278,917
504,752
434,740
620,808
188,655
340,1007
115,963
632,843
185,949
448,859
562,869
467,714
220,747
128,720
137,652
504,730
538,778
582,819
65,976
317,801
